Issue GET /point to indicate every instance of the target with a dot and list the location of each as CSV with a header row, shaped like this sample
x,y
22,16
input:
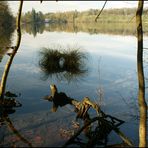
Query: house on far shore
x,y
47,20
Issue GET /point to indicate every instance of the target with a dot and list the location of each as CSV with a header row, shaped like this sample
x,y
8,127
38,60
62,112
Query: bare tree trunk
x,y
9,62
141,81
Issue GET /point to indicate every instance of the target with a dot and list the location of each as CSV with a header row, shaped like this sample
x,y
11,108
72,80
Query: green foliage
x,y
6,19
63,63
33,17
112,21
107,15
110,15
6,24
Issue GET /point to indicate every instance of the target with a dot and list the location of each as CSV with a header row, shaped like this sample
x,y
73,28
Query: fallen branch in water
x,y
121,135
106,123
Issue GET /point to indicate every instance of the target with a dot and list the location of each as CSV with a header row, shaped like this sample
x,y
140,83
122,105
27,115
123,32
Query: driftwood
x,y
105,123
61,99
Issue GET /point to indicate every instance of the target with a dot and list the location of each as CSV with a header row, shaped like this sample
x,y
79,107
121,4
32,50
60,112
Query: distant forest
x,y
109,16
111,21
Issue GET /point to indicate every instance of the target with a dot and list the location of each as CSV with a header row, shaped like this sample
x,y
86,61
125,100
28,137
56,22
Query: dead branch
x,y
100,11
106,123
120,134
131,19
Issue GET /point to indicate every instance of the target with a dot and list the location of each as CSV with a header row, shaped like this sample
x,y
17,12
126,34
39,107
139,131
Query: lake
x,y
111,70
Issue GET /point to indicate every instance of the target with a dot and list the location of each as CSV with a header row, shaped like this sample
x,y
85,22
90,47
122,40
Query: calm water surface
x,y
111,66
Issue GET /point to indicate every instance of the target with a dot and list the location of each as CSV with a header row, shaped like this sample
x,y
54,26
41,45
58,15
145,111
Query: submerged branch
x,y
120,134
106,123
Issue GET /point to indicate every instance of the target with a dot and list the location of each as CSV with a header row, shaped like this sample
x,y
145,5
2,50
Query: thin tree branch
x,y
131,19
8,64
100,11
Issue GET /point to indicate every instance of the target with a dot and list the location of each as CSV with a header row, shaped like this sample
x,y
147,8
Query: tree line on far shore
x,y
108,15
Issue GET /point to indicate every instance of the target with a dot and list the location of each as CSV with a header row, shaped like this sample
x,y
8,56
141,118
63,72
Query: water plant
x,y
64,63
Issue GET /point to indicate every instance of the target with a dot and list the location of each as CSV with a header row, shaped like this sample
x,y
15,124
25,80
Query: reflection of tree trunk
x,y
15,131
141,95
8,64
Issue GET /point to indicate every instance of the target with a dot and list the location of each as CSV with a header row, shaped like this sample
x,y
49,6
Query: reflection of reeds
x,y
66,64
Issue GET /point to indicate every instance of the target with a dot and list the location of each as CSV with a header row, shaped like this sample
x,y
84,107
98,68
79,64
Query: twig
x,y
131,19
100,11
123,137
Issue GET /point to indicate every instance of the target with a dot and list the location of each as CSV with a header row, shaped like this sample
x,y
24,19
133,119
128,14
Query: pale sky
x,y
60,6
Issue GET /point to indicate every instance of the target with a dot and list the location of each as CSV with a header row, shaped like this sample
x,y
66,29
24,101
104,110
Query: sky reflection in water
x,y
111,56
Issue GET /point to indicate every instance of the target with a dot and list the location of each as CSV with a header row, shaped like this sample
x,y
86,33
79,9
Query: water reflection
x,y
19,138
8,100
34,28
7,107
39,122
43,125
91,28
63,64
36,121
97,133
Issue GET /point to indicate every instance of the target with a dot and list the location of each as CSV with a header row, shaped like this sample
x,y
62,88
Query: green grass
x,y
73,65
